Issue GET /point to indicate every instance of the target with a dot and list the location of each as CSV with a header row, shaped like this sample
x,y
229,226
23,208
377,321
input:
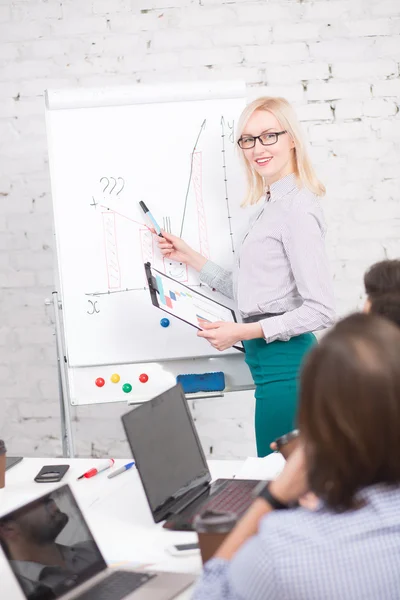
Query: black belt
x,y
260,317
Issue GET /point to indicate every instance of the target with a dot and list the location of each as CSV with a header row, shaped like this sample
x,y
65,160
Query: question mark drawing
x,y
122,186
115,183
108,183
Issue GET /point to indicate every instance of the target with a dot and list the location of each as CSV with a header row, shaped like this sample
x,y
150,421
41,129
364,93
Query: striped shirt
x,y
315,555
283,266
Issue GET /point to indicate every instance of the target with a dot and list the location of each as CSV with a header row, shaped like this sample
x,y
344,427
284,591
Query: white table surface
x,y
115,509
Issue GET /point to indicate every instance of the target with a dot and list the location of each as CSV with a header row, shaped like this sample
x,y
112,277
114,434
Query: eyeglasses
x,y
266,139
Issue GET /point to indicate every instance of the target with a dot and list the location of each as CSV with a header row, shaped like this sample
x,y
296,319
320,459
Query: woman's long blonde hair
x,y
284,113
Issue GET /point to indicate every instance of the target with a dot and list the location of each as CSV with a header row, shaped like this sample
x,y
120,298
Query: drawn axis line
x,y
203,125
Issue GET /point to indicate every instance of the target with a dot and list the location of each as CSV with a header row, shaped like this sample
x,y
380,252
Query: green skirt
x,y
275,369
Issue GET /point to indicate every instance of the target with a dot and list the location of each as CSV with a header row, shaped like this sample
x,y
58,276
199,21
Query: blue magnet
x,y
164,322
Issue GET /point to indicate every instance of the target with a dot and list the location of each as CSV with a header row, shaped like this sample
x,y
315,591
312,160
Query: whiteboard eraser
x,y
205,382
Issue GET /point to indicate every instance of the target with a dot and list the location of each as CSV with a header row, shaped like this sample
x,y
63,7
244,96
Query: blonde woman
x,y
283,288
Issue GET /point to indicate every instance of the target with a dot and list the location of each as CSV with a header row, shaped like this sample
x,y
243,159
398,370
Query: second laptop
x,y
172,465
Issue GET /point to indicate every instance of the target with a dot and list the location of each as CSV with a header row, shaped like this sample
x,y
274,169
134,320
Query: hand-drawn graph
x,y
120,148
113,212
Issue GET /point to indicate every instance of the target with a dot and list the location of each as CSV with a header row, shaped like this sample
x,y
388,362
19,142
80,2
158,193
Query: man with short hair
x,y
39,562
386,305
382,286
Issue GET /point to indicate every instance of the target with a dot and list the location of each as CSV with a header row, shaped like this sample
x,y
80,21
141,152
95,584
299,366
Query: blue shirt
x,y
315,555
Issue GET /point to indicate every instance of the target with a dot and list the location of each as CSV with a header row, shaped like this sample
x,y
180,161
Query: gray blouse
x,y
283,265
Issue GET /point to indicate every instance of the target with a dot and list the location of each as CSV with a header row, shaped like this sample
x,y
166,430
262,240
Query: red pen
x,y
102,467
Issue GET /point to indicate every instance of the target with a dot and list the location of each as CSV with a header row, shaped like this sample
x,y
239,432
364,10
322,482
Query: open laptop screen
x,y
49,546
166,448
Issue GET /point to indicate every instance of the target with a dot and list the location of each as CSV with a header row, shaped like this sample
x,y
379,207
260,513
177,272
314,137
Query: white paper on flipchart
x,y
268,467
142,94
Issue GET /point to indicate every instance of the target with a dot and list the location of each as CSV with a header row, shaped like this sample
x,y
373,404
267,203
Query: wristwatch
x,y
262,491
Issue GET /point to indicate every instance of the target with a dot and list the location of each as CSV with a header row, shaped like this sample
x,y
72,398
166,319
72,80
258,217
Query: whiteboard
x,y
172,147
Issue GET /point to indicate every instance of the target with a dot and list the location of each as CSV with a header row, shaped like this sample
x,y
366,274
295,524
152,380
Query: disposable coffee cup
x,y
212,528
2,464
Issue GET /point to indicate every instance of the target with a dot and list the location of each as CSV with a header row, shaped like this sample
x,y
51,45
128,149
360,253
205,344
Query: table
x,y
115,509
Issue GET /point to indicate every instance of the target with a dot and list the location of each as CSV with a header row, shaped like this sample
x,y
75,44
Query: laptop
x,y
53,554
172,465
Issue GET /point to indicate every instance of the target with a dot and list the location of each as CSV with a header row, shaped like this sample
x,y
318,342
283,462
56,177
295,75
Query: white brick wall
x,y
337,60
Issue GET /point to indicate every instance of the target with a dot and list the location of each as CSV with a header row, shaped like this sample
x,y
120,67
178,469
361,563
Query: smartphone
x,y
184,549
51,473
287,443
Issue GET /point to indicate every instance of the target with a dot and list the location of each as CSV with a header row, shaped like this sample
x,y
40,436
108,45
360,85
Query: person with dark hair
x,y
386,305
382,286
382,278
348,546
39,562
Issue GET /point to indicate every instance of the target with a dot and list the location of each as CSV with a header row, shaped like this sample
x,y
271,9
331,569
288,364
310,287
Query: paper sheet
x,y
261,468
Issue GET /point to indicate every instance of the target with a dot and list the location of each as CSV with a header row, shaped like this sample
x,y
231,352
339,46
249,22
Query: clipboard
x,y
184,303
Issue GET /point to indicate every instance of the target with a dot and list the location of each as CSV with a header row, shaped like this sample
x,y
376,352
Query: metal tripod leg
x,y
66,425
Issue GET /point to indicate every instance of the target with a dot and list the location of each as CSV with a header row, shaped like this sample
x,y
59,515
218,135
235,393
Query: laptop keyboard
x,y
230,496
116,586
234,497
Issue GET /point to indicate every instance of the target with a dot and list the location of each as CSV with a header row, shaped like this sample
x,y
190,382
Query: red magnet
x,y
143,378
99,382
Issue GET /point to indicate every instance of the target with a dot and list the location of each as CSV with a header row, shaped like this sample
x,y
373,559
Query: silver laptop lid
x,y
49,546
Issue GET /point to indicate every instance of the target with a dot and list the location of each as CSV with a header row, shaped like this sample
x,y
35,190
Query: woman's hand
x,y
223,335
174,248
292,483
309,499
220,334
